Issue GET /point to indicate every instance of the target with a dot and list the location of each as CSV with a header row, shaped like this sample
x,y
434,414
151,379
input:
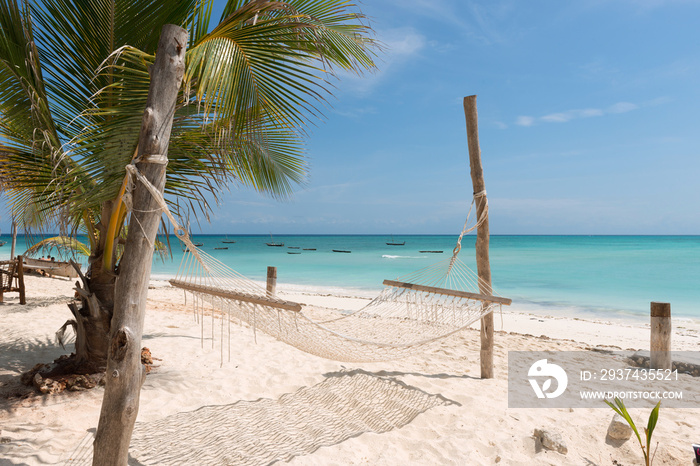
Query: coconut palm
x,y
74,77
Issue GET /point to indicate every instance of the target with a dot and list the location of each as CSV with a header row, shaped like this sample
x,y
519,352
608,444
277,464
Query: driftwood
x,y
125,374
61,269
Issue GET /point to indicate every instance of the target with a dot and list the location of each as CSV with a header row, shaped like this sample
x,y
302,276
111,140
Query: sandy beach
x,y
468,422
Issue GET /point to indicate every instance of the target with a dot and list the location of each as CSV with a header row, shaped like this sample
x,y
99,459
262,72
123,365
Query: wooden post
x,y
14,239
125,374
660,345
483,265
20,280
271,281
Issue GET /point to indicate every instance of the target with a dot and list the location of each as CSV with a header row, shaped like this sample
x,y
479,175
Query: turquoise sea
x,y
587,276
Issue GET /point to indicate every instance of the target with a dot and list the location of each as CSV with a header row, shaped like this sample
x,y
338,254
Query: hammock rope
x,y
409,313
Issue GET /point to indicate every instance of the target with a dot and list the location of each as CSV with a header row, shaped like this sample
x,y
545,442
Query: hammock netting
x,y
411,312
416,310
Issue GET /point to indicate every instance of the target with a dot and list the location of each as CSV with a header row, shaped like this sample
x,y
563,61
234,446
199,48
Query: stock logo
x,y
542,368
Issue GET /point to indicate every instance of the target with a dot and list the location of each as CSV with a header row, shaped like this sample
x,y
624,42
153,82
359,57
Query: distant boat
x,y
395,243
273,243
291,252
228,241
309,249
293,247
221,248
198,244
342,250
431,252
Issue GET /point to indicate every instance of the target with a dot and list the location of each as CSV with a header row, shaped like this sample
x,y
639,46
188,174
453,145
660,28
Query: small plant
x,y
619,408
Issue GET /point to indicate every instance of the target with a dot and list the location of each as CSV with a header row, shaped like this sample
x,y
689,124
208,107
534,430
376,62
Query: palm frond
x,y
65,245
274,55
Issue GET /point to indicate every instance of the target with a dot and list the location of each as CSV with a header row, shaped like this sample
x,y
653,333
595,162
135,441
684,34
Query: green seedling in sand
x,y
619,408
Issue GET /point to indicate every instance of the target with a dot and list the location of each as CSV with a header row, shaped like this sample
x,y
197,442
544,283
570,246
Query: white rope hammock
x,y
411,312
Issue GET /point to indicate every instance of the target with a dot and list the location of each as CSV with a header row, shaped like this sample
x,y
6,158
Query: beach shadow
x,y
588,462
6,462
400,374
18,357
14,355
11,304
614,442
391,376
150,336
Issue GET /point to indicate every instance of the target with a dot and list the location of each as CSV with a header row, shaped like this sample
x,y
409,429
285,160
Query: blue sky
x,y
588,119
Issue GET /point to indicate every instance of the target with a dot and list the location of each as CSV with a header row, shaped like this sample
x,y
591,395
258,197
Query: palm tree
x,y
74,77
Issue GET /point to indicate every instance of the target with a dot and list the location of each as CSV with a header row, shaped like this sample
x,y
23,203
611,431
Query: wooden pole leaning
x,y
483,265
125,374
661,329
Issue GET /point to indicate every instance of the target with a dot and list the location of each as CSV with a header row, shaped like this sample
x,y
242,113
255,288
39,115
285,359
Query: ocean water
x,y
586,276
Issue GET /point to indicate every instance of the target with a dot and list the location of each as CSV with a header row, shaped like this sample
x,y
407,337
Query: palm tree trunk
x,y
92,315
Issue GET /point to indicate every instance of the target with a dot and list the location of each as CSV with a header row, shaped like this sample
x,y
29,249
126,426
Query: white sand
x,y
481,429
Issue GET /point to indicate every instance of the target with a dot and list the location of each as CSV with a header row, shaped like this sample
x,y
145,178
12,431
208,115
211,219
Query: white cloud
x,y
568,115
525,121
401,42
356,112
557,117
400,45
563,117
622,107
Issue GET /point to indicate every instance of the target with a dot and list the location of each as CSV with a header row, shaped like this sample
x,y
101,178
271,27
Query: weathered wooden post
x,y
125,374
271,281
483,265
20,280
14,239
660,344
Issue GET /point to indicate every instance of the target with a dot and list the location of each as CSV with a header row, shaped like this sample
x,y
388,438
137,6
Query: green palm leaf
x,y
72,101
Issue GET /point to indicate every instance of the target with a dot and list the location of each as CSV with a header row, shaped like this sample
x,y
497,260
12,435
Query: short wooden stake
x,y
271,281
661,336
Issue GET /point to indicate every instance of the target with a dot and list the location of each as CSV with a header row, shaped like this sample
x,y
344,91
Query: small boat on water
x,y
292,252
342,250
309,249
293,247
222,248
273,243
228,241
199,244
431,252
395,243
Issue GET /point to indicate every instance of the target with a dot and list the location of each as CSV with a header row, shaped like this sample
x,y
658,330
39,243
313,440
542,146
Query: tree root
x,y
66,374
